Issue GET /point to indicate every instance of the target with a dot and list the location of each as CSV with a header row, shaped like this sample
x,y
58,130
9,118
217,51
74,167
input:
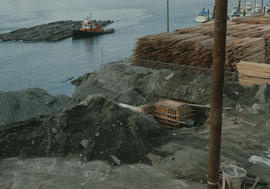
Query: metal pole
x,y
262,7
254,5
168,17
245,2
219,57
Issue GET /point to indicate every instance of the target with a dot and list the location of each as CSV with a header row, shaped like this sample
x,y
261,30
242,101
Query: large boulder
x,y
263,93
137,85
185,163
29,103
96,128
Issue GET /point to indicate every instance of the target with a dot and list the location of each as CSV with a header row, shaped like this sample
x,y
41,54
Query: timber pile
x,y
248,40
253,73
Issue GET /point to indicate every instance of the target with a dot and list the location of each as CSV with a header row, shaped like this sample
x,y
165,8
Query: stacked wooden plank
x,y
253,73
247,40
169,113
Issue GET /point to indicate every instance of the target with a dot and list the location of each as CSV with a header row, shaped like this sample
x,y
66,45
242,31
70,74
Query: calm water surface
x,y
47,65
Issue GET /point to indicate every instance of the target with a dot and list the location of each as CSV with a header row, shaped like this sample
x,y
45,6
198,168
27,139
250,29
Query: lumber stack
x,y
253,73
247,40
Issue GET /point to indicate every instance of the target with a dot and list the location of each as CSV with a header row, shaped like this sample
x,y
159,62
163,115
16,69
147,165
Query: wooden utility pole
x,y
168,16
219,57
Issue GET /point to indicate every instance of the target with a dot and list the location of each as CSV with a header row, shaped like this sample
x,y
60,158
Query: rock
x,y
263,93
115,160
80,79
257,108
71,173
30,103
85,129
136,85
85,143
170,76
131,97
187,163
54,130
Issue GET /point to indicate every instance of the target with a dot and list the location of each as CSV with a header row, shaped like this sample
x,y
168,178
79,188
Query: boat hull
x,y
83,34
201,19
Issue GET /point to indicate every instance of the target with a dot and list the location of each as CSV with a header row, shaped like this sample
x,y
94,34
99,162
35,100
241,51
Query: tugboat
x,y
90,28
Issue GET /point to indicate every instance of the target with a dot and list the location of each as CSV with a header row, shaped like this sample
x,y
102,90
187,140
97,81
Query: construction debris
x,y
171,114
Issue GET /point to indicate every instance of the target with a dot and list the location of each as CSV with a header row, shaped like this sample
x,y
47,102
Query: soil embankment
x,y
54,31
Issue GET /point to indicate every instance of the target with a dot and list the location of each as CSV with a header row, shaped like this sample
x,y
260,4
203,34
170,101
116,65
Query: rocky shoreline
x,y
51,32
94,126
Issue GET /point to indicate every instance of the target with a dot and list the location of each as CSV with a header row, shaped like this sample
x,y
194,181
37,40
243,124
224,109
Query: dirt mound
x,y
97,128
29,103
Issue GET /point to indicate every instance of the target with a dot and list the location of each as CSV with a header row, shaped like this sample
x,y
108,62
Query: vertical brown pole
x,y
168,17
219,57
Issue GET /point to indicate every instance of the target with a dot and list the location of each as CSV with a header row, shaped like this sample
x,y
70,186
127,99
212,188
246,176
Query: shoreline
x,y
95,127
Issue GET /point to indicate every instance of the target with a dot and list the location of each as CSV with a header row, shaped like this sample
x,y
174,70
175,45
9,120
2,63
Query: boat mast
x,y
168,17
262,7
239,5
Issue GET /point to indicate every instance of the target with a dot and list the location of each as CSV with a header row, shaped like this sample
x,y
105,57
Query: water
x,y
47,65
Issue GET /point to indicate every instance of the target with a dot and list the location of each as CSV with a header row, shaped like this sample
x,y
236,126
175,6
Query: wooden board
x,y
253,73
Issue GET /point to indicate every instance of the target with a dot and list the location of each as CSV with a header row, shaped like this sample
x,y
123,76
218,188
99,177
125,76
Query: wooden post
x,y
219,57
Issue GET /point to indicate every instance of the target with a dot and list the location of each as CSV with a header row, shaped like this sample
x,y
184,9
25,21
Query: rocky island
x,y
52,32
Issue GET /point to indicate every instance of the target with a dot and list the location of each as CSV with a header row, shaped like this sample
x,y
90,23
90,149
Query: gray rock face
x,y
137,85
186,163
122,133
130,84
263,93
29,103
54,31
